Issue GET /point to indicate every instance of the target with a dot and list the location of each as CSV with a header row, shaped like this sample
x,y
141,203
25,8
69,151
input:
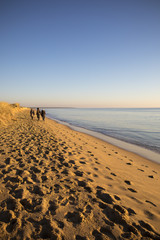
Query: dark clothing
x,y
43,113
31,113
38,113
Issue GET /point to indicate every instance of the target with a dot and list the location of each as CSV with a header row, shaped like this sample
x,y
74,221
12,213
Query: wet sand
x,y
56,183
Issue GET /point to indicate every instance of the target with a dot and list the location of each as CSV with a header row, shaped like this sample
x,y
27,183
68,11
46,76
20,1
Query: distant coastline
x,y
51,107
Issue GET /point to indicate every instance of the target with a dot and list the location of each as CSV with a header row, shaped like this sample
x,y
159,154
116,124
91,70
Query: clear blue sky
x,y
80,53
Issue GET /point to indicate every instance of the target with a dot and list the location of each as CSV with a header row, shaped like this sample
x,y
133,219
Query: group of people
x,y
39,113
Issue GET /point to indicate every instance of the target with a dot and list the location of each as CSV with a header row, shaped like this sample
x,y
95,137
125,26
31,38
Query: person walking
x,y
31,113
38,114
43,114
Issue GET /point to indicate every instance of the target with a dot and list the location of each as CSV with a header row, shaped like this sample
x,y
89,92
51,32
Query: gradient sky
x,y
80,53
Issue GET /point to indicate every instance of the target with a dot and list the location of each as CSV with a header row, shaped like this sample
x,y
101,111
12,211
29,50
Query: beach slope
x,y
56,183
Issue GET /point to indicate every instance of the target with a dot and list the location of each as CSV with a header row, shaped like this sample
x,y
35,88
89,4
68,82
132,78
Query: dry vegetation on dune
x,y
7,112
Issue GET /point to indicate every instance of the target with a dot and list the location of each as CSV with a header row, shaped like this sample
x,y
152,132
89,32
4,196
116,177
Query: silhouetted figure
x,y
43,114
31,113
38,114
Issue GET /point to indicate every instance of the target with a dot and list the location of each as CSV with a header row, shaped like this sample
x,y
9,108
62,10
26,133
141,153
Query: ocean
x,y
124,127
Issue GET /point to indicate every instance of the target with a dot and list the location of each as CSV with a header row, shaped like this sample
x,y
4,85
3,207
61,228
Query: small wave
x,y
133,130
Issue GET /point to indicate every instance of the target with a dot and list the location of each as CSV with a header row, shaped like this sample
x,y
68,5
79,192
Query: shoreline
x,y
57,183
142,152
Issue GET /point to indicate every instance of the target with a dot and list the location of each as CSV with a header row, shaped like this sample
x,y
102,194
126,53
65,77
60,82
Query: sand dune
x,y
56,183
8,111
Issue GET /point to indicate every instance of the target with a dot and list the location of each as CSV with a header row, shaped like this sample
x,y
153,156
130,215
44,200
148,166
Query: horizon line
x,y
97,107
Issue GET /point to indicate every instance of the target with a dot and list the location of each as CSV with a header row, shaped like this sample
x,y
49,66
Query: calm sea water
x,y
136,126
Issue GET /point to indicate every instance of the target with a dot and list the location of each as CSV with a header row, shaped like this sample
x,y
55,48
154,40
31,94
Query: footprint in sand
x,y
151,203
67,186
13,225
108,168
117,216
97,235
17,193
88,209
149,215
108,178
52,207
95,175
60,224
96,169
130,211
6,216
11,204
90,180
105,197
79,173
119,209
151,176
117,198
44,178
76,167
132,190
146,226
107,230
84,185
35,169
97,162
47,230
37,190
78,237
102,205
65,171
141,170
113,174
82,162
28,204
57,187
74,217
72,200
127,182
19,172
8,161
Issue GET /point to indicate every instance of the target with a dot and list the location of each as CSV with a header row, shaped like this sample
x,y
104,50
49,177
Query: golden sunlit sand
x,y
56,183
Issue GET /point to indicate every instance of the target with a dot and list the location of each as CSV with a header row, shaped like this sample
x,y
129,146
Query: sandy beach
x,y
56,183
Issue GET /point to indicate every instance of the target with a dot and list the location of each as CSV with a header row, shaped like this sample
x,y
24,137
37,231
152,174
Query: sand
x,y
56,183
8,112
